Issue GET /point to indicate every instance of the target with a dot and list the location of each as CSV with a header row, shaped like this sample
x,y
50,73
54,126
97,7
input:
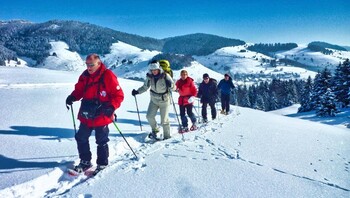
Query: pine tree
x,y
341,82
305,100
273,102
321,84
245,102
327,105
260,104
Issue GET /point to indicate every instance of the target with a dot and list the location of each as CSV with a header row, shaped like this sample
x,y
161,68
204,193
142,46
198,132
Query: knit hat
x,y
154,66
205,75
227,75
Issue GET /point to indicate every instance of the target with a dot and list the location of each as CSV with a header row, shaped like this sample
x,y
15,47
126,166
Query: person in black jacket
x,y
226,88
208,93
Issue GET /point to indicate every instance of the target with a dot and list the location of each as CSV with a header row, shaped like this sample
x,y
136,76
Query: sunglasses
x,y
206,78
90,64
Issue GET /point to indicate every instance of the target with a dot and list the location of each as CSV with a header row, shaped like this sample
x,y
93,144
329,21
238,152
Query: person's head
x,y
184,74
93,62
206,78
154,67
227,77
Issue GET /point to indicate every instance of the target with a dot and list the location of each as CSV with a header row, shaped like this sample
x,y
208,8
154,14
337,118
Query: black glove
x,y
108,111
134,92
70,99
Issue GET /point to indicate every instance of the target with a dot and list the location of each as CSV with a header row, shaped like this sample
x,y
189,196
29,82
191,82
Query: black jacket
x,y
208,93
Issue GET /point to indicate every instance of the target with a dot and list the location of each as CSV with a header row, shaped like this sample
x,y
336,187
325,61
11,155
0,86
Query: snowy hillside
x,y
315,60
18,63
248,153
123,54
61,58
253,65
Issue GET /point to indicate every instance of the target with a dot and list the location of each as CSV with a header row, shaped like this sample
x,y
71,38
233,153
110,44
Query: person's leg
x,y
164,117
82,138
227,104
101,135
190,113
184,121
151,115
204,111
223,103
213,110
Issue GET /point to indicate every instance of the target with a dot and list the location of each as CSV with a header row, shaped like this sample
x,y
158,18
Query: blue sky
x,y
249,20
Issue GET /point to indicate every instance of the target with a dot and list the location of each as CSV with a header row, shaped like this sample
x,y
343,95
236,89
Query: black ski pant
x,y
225,102
204,110
187,108
101,136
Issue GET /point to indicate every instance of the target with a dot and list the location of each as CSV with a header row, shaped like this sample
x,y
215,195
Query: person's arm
x,y
146,85
79,88
115,92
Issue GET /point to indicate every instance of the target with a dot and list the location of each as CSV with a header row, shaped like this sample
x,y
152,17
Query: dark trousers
x,y
225,102
190,114
204,110
101,135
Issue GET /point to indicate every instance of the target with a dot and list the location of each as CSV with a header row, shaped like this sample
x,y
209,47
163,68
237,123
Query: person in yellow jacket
x,y
160,84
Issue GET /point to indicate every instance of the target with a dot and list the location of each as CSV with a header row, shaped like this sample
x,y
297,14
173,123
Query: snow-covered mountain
x,y
248,153
61,58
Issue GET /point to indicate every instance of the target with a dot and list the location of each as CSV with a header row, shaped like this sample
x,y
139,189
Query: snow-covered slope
x,y
19,63
315,60
62,59
245,154
251,66
125,54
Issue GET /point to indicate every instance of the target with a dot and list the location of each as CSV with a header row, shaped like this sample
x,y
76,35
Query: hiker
x,y
226,88
161,84
187,91
208,94
101,95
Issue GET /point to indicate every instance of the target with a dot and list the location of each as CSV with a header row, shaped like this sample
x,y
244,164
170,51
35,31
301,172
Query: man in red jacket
x,y
101,95
187,91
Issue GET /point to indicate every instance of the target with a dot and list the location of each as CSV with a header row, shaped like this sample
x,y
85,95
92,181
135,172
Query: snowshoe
x,y
98,169
82,167
183,130
193,127
153,136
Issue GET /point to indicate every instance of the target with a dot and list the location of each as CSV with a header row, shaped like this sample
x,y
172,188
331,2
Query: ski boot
x,y
98,169
193,127
82,166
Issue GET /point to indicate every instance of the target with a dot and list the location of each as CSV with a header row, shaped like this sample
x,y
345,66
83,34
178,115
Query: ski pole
x,y
138,112
199,117
172,99
124,138
75,128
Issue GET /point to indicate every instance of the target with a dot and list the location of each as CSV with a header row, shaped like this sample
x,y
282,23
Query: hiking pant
x,y
188,108
152,110
225,102
204,110
101,135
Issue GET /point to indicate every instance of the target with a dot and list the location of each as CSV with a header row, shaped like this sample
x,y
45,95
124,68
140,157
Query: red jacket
x,y
186,89
106,90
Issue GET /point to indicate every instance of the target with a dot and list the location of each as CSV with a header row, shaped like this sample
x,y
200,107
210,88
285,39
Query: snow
x,y
316,60
234,60
122,51
248,153
19,63
64,59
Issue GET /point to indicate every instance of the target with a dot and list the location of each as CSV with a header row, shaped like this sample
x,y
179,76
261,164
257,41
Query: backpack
x,y
166,67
